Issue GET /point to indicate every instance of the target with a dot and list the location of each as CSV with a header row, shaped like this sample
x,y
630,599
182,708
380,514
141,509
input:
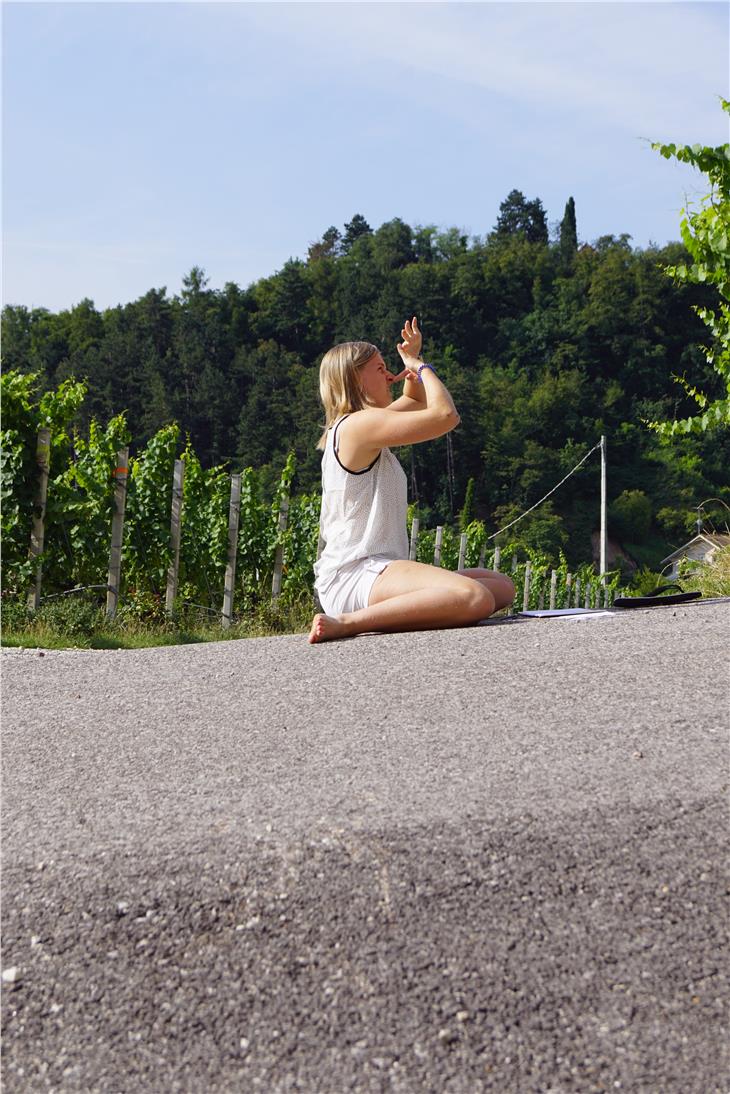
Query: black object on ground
x,y
660,595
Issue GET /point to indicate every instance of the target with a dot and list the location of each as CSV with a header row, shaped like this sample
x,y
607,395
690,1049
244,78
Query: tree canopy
x,y
545,345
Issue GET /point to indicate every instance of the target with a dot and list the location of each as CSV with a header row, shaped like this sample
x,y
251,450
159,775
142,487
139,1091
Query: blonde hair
x,y
339,385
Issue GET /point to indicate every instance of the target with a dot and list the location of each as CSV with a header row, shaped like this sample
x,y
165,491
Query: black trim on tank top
x,y
334,449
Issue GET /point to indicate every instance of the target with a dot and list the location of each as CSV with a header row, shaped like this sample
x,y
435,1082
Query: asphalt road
x,y
455,861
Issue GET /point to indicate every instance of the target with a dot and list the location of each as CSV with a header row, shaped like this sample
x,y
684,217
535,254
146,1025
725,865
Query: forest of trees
x,y
545,343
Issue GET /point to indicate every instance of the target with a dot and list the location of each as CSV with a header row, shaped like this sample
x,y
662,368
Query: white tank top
x,y
363,512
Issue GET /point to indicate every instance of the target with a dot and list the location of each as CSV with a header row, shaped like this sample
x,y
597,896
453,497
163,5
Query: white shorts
x,y
350,588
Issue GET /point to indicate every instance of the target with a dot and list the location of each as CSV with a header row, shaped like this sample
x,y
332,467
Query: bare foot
x,y
325,627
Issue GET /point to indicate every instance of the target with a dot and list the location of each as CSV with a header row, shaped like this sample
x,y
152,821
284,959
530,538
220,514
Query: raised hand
x,y
412,340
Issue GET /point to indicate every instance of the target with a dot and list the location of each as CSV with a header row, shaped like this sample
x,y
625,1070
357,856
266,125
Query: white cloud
x,y
651,69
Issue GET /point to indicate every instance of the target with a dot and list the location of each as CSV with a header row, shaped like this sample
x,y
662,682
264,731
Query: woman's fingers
x,y
409,349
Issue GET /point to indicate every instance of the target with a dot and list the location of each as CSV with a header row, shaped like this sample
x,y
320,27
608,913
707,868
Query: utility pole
x,y
604,530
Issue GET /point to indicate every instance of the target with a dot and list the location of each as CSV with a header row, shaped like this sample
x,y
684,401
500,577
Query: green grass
x,y
711,578
78,622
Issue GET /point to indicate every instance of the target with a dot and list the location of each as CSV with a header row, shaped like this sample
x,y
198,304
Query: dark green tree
x,y
423,242
568,236
466,516
326,247
285,314
517,216
393,246
356,228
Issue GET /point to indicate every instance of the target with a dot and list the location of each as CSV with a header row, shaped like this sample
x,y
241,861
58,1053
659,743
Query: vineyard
x,y
80,504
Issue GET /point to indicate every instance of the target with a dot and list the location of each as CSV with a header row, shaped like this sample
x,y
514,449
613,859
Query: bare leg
x,y
500,585
410,596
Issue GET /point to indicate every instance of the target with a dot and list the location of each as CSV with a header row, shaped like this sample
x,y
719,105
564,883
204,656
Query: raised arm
x,y
432,409
414,393
437,416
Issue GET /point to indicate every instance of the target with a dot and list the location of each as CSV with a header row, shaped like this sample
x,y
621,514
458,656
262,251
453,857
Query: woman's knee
x,y
500,585
509,589
502,589
478,601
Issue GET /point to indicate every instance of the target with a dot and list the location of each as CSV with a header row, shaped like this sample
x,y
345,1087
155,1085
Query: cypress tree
x,y
466,516
568,235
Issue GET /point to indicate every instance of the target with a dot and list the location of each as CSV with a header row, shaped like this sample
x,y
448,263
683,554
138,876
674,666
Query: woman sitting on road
x,y
363,577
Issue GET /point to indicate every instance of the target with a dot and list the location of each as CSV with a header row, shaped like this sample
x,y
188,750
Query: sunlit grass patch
x,y
711,578
79,622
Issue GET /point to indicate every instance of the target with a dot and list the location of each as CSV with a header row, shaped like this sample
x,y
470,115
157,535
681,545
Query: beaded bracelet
x,y
421,368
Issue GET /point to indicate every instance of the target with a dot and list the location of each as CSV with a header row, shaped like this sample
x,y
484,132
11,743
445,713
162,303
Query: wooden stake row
x,y
113,584
572,589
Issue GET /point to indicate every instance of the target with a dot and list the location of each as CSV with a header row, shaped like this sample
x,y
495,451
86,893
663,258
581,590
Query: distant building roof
x,y
710,538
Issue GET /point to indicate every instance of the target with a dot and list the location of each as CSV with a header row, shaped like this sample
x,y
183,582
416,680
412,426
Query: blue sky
x,y
141,139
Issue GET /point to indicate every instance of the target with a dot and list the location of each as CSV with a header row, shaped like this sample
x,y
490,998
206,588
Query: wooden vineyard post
x,y
414,539
587,602
497,556
279,558
526,589
482,557
114,575
175,519
576,598
515,567
541,598
553,588
437,545
604,523
234,511
462,551
43,460
568,585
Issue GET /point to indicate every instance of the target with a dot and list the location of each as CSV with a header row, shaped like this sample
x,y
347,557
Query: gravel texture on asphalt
x,y
450,861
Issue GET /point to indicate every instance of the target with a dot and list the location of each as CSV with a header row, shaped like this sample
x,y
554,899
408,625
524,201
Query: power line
x,y
495,534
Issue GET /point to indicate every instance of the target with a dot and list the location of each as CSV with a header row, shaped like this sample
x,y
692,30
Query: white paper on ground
x,y
575,613
596,614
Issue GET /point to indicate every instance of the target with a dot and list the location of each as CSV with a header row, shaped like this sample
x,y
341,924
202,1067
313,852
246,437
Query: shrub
x,y
711,578
629,516
646,581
